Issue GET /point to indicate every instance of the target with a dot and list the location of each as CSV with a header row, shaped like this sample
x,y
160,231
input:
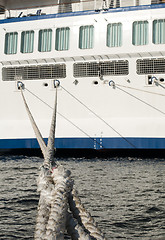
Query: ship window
x,y
27,41
140,33
114,35
93,69
45,40
150,66
11,43
159,31
86,37
34,72
62,39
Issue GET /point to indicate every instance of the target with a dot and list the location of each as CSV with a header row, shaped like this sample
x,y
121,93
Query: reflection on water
x,y
126,196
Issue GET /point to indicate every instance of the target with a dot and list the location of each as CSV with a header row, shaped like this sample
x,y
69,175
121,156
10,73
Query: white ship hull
x,y
124,111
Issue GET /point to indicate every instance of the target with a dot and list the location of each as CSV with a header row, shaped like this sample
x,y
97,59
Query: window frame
x,y
31,42
48,46
59,47
89,42
144,40
154,36
8,50
119,34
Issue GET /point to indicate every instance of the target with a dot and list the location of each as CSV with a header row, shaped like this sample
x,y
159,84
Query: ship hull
x,y
119,110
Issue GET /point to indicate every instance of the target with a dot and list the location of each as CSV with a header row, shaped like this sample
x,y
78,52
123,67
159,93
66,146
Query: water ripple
x,y
125,195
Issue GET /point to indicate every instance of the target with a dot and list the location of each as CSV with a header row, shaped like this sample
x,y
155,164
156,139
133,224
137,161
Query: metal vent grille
x,y
93,69
150,66
85,69
114,68
34,72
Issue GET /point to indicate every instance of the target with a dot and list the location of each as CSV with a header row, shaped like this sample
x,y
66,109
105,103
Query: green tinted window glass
x,y
114,35
62,39
11,43
159,31
27,41
86,37
140,33
45,40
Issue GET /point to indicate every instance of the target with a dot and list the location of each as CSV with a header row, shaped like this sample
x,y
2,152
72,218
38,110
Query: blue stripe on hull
x,y
79,143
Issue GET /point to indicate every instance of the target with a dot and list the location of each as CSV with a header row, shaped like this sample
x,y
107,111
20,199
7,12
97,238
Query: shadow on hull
x,y
89,153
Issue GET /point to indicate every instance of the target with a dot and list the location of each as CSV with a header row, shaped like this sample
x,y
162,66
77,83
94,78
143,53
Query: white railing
x,y
76,5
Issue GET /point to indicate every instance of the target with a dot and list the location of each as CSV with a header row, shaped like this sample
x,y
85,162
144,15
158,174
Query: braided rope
x,y
83,216
57,194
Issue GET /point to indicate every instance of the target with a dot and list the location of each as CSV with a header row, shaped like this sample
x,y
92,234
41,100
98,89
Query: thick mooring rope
x,y
59,208
45,187
83,217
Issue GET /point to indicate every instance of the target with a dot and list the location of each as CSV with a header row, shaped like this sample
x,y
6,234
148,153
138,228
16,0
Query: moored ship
x,y
107,59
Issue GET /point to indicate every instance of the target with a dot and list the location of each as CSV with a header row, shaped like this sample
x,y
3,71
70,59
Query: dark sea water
x,y
126,196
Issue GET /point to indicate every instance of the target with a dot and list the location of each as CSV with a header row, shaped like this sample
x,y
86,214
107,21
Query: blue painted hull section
x,y
87,143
